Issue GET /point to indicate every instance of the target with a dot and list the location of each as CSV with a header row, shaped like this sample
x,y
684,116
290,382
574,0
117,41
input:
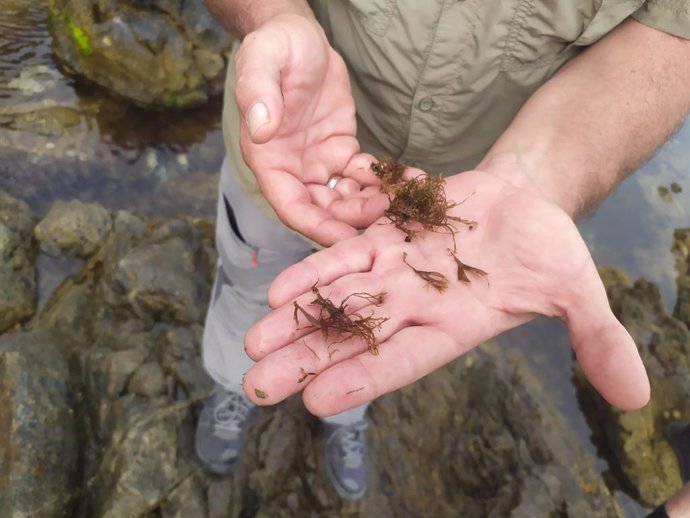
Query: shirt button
x,y
426,103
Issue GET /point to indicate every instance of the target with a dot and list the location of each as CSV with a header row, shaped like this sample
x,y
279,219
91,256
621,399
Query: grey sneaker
x,y
222,429
347,459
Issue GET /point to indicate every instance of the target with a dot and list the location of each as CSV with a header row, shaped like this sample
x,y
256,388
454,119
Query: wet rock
x,y
167,54
192,377
634,441
159,279
142,463
73,228
18,294
47,121
187,500
479,440
38,445
681,251
148,380
6,241
182,342
120,366
93,368
460,442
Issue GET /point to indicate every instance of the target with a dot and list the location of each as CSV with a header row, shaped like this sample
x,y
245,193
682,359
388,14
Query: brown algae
x,y
420,200
436,280
333,320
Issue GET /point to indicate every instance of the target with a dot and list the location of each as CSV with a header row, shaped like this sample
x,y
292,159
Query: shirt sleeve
x,y
671,16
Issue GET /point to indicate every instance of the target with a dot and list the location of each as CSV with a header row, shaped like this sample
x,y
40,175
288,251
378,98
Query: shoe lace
x,y
352,443
230,414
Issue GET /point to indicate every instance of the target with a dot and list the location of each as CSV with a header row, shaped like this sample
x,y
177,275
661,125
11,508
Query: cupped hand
x,y
299,129
536,263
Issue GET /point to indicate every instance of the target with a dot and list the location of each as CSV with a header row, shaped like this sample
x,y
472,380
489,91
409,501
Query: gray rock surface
x,y
148,380
18,295
73,228
162,53
159,280
479,437
39,456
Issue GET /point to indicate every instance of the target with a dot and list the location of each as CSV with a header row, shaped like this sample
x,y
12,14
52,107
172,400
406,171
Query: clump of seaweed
x,y
333,319
389,172
420,200
436,280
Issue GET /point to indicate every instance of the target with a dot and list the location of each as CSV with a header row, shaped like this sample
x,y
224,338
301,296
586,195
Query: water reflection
x,y
61,139
634,227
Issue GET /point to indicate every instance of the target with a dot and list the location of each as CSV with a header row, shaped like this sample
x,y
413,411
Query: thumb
x,y
606,351
258,93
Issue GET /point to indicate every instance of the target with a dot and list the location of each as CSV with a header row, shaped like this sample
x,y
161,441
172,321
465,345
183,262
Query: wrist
x,y
268,11
526,171
246,16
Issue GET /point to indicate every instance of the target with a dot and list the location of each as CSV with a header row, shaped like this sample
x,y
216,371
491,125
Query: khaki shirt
x,y
436,82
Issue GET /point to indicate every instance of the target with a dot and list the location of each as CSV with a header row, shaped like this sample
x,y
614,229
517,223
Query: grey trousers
x,y
253,249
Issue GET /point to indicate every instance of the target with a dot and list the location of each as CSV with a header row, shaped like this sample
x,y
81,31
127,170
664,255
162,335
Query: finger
x,y
359,169
258,93
292,203
360,212
605,350
323,196
349,204
355,255
405,357
328,156
279,328
413,172
291,368
608,355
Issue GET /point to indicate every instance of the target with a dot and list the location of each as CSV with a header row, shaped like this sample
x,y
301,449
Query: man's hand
x,y
299,129
536,262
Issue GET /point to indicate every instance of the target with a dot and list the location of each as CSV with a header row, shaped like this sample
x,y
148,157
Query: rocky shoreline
x,y
101,384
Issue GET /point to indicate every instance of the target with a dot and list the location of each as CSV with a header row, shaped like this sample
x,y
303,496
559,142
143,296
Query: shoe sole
x,y
344,493
214,467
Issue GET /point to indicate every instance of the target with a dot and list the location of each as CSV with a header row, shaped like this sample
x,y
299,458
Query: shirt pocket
x,y
374,15
542,32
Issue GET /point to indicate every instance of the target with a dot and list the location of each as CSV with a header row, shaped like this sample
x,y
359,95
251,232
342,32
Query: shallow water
x,y
62,139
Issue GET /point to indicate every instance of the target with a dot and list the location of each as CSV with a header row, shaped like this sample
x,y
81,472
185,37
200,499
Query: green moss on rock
x,y
80,38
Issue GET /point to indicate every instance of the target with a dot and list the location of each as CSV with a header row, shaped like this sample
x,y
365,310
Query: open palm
x,y
536,263
300,129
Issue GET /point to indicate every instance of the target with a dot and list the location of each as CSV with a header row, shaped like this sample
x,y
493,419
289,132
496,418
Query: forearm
x,y
598,118
243,16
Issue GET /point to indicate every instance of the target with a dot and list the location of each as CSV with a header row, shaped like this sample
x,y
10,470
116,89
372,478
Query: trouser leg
x,y
347,417
253,249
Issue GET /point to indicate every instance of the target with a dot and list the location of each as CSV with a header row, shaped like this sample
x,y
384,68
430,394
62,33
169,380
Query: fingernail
x,y
258,116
